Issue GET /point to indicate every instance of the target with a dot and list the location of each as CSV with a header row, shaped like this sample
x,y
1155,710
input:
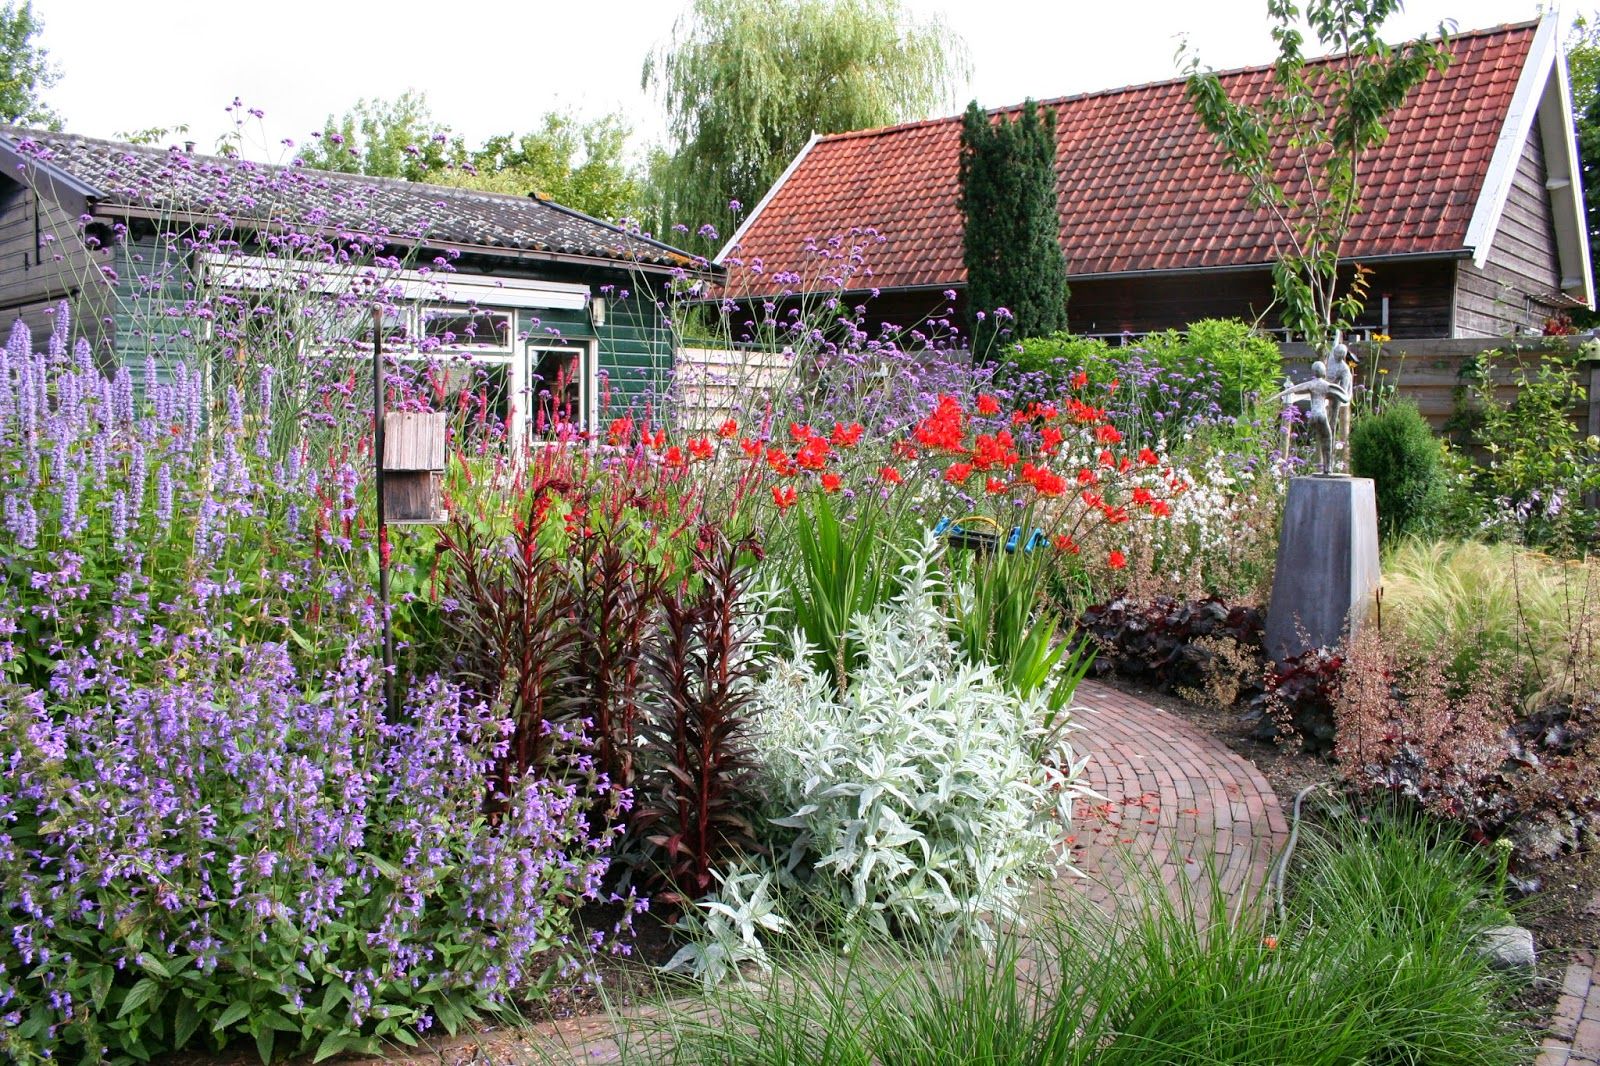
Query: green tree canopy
x,y
1315,124
396,138
577,163
25,69
1016,274
746,82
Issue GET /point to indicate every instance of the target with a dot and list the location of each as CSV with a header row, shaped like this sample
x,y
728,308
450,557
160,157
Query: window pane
x,y
467,326
556,381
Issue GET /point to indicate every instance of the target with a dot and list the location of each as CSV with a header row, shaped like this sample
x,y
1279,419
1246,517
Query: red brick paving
x,y
1175,800
1574,1031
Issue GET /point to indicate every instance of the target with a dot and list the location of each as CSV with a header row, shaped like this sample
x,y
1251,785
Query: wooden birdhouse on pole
x,y
413,467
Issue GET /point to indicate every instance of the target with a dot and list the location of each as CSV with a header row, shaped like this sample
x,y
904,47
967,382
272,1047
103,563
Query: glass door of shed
x,y
558,389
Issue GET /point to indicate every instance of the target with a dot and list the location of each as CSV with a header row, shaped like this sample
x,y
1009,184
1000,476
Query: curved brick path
x,y
1173,795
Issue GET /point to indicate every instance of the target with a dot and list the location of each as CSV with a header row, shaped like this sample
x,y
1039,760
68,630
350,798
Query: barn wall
x,y
1515,290
44,260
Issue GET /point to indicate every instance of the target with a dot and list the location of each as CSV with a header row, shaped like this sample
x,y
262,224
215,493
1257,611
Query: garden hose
x,y
1276,880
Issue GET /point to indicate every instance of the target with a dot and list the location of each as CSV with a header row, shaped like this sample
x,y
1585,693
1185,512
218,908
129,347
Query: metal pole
x,y
378,388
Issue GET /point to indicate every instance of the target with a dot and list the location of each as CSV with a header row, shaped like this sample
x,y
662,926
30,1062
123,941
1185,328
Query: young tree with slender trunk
x,y
1301,146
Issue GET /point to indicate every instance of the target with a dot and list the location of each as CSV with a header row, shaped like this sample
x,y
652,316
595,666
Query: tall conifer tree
x,y
1013,226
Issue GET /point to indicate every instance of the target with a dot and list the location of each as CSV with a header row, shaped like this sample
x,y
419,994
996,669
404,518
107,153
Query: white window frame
x,y
522,400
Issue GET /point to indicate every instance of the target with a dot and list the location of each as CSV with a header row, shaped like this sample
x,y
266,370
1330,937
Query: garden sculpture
x,y
1317,392
1339,415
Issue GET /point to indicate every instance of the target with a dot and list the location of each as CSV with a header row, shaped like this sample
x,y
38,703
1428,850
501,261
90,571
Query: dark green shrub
x,y
1396,448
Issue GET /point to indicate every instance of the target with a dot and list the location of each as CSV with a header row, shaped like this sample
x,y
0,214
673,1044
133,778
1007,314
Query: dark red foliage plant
x,y
617,602
694,802
511,612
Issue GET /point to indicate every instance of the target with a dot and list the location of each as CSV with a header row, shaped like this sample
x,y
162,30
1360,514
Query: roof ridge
x,y
1504,28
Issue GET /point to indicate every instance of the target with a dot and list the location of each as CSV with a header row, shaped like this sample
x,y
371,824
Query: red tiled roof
x,y
1141,184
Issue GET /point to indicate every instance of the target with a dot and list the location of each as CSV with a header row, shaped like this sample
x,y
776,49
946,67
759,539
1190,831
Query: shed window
x,y
468,327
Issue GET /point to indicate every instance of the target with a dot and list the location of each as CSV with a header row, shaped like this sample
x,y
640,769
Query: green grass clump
x,y
1369,960
1495,606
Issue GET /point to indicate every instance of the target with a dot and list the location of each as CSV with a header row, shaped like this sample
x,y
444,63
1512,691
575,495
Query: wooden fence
x,y
1433,373
711,385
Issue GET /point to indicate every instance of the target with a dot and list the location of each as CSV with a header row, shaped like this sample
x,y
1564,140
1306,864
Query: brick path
x,y
1574,1038
1175,799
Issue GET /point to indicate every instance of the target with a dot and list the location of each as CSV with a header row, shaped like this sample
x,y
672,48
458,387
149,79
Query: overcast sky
x,y
493,66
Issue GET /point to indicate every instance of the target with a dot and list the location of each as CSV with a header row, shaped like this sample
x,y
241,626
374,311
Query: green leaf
x,y
238,1009
138,996
153,964
187,1022
331,1044
265,1038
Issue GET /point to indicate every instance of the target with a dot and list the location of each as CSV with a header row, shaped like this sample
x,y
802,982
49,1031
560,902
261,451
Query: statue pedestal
x,y
1327,570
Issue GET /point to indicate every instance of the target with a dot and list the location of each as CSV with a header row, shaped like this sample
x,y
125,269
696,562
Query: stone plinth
x,y
1327,569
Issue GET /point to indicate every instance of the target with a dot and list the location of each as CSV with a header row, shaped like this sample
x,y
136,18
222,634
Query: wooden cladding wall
x,y
1517,287
43,260
1419,291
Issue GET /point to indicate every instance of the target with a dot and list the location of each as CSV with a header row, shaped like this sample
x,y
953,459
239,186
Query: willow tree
x,y
746,82
1300,145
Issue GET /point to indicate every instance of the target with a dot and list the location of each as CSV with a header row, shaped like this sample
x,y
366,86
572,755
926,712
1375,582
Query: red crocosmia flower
x,y
1148,457
1117,560
700,448
659,439
988,405
1066,544
1123,464
783,496
904,449
942,429
750,447
831,482
994,486
1087,477
845,436
813,454
1108,435
1106,458
730,428
1116,515
674,456
1049,439
1142,496
778,460
1092,500
1160,509
620,430
957,473
1080,379
799,432
890,475
1114,383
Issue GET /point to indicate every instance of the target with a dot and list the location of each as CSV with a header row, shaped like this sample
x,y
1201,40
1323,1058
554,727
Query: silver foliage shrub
x,y
915,796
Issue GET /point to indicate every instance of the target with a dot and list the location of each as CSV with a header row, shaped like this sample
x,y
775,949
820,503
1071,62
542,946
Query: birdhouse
x,y
413,468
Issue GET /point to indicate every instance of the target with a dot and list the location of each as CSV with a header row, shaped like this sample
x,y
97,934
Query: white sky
x,y
492,66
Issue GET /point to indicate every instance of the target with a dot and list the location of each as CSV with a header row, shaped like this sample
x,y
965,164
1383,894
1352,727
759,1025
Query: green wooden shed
x,y
532,290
